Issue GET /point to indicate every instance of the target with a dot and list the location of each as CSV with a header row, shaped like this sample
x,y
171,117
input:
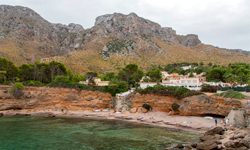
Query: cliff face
x,y
200,105
44,97
131,26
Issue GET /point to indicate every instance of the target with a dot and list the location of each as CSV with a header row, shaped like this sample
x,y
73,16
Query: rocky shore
x,y
230,138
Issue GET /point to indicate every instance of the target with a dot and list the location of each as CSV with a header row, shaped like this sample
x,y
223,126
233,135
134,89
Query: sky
x,y
222,23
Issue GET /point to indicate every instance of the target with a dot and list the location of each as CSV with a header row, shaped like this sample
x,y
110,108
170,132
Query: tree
x,y
216,74
201,63
2,75
199,70
191,74
77,77
210,64
154,74
57,69
89,76
26,72
131,74
232,79
9,67
109,76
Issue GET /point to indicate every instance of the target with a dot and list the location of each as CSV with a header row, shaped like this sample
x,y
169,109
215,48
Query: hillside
x,y
111,44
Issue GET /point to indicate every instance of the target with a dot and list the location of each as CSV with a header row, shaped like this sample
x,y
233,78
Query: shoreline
x,y
192,124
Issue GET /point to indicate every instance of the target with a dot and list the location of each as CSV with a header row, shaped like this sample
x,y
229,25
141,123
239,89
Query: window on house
x,y
188,81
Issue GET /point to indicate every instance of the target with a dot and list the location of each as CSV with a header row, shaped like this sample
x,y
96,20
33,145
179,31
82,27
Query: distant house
x,y
186,67
164,74
97,81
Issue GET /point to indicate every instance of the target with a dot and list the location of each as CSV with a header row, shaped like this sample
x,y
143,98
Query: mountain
x,y
114,41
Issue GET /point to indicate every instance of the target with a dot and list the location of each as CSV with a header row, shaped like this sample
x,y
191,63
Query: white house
x,y
186,67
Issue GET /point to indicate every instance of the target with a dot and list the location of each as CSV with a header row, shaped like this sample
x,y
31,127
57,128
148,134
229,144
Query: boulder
x,y
89,98
51,115
73,96
179,146
144,110
216,130
236,118
194,145
207,145
187,148
246,142
234,144
210,138
133,110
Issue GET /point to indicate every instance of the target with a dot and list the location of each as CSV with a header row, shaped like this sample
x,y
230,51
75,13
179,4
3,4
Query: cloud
x,y
223,23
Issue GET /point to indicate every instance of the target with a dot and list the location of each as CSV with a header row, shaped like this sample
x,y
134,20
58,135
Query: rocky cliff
x,y
115,40
200,105
48,98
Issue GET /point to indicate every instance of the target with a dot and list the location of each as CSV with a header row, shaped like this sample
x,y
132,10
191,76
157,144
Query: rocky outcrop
x,y
218,138
48,98
190,40
199,105
131,26
232,138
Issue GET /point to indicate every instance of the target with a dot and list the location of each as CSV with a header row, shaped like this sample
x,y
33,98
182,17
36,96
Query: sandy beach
x,y
192,124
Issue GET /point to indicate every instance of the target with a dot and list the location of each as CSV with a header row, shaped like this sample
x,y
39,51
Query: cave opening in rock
x,y
212,115
14,108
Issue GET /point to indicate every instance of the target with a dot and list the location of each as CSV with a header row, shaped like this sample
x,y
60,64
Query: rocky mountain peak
x,y
21,13
131,26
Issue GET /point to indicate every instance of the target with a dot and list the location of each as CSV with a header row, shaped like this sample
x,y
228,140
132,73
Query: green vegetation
x,y
231,94
154,74
117,45
178,92
131,74
208,88
55,74
16,90
147,106
175,106
238,73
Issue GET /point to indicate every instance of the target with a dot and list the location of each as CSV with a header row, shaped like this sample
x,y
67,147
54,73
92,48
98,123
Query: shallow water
x,y
59,133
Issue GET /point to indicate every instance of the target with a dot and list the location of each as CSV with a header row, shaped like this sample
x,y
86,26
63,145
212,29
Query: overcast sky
x,y
223,23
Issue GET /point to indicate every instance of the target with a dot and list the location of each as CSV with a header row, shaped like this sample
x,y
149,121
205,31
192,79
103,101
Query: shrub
x,y
178,92
232,94
32,83
16,90
208,88
62,81
147,106
175,106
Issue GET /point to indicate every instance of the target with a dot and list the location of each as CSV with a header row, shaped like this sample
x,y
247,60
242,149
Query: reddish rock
x,y
46,97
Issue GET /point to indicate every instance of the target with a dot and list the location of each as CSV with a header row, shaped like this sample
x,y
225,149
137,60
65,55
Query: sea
x,y
83,133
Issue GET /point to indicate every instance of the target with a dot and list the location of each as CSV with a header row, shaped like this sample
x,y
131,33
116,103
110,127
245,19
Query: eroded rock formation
x,y
46,97
190,106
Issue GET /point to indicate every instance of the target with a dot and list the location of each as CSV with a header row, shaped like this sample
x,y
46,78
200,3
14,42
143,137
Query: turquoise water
x,y
65,133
